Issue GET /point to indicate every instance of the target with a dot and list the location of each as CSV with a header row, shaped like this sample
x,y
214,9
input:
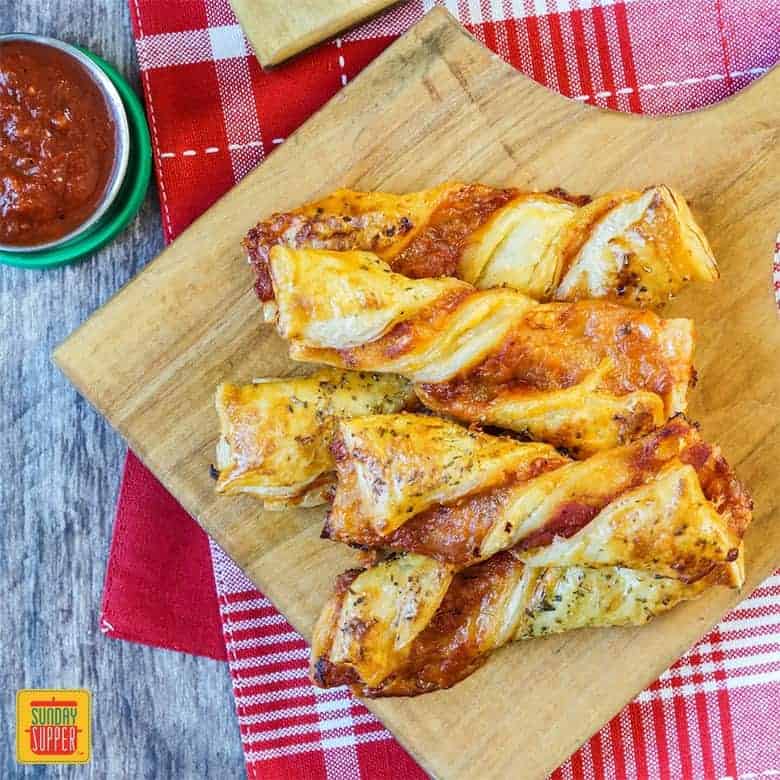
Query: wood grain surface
x,y
279,29
157,714
437,105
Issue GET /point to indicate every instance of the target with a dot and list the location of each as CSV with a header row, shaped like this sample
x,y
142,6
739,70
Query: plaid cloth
x,y
214,115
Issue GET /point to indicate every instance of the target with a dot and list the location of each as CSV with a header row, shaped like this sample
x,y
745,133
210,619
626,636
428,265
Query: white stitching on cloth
x,y
153,123
753,775
670,84
622,91
341,63
215,149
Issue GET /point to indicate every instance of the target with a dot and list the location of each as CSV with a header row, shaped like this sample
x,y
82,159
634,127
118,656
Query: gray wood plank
x,y
157,714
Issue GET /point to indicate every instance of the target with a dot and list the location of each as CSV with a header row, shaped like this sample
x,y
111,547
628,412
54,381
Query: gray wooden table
x,y
156,714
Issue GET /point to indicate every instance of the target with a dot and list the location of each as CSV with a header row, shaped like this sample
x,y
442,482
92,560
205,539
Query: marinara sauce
x,y
57,143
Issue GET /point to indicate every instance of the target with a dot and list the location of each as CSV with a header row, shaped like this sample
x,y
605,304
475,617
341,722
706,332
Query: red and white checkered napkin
x,y
714,714
214,115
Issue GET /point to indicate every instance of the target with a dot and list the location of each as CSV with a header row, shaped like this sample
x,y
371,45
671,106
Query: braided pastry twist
x,y
517,543
667,503
583,376
637,248
410,625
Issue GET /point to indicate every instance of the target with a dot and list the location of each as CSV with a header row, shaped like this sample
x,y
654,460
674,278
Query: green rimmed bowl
x,y
133,166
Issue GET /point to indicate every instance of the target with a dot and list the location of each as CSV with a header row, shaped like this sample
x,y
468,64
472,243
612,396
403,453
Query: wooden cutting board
x,y
437,105
279,29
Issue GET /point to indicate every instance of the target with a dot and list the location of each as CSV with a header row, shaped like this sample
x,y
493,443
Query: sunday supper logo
x,y
53,726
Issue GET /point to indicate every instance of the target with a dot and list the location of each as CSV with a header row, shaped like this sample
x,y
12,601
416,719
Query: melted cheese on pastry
x,y
393,467
640,247
514,247
387,606
634,247
405,626
584,376
667,503
276,433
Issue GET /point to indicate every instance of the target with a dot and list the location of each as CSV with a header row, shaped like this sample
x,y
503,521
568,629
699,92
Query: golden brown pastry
x,y
584,376
410,625
637,248
667,503
518,542
275,433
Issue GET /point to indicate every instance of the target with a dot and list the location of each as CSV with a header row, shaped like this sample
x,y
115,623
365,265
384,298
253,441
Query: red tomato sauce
x,y
57,144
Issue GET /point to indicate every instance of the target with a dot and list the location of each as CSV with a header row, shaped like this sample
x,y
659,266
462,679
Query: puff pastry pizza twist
x,y
667,503
583,376
521,310
500,541
410,625
634,247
